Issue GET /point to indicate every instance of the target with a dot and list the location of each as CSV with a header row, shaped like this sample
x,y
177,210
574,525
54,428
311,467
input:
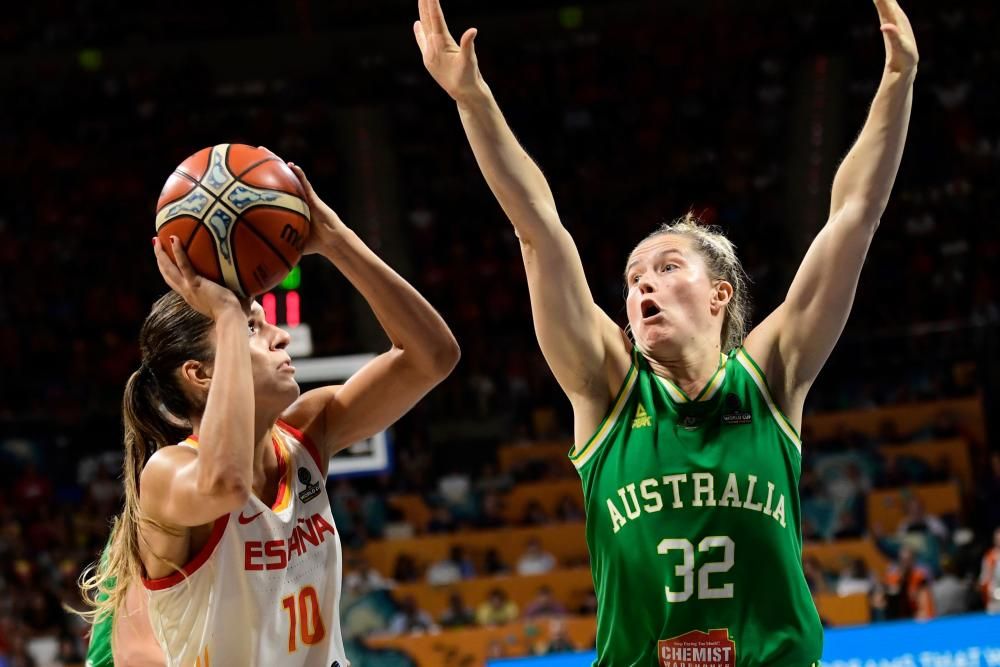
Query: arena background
x,y
637,111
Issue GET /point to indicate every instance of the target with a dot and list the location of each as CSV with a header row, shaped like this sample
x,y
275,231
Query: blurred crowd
x,y
649,111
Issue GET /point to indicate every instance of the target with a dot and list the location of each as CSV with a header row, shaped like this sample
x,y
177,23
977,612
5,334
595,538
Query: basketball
x,y
240,214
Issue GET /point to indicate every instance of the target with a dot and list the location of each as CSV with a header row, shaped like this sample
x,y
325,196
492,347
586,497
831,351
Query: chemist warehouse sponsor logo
x,y
974,656
698,649
277,554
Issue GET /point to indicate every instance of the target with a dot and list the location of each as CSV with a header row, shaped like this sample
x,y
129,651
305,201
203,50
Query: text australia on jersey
x,y
698,489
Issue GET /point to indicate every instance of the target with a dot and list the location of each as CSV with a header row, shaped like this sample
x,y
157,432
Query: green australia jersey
x,y
99,649
693,525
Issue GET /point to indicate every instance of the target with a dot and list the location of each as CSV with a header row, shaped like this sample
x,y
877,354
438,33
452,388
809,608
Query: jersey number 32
x,y
685,570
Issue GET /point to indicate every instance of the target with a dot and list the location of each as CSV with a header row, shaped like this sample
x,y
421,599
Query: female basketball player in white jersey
x,y
229,534
661,416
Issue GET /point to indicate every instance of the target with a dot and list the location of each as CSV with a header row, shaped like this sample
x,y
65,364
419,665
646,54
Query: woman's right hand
x,y
453,65
207,297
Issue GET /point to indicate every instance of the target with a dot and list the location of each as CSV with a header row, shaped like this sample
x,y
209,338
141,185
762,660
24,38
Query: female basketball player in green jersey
x,y
687,439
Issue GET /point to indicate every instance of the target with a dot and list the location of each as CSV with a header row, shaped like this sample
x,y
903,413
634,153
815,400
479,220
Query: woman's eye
x,y
669,267
251,328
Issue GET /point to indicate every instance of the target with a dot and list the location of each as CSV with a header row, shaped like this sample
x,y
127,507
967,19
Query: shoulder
x,y
168,458
163,465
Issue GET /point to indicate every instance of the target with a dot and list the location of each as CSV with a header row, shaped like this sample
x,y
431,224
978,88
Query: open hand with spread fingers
x,y
452,64
900,44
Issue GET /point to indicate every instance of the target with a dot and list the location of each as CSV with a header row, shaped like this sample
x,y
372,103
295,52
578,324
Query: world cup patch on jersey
x,y
698,649
735,414
311,489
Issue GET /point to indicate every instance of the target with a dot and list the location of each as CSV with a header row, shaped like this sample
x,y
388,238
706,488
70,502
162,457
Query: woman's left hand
x,y
325,225
900,44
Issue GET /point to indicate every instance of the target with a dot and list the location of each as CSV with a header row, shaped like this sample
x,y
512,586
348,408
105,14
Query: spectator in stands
x,y
535,560
361,578
450,570
441,521
950,592
69,653
945,426
558,641
496,609
907,585
405,571
588,605
411,618
848,523
855,579
893,475
455,490
544,604
568,510
815,576
989,575
491,511
493,565
917,520
457,615
888,433
443,572
493,481
535,515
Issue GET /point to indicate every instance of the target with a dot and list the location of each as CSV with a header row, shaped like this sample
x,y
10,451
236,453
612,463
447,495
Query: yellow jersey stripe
x,y
583,455
779,417
672,389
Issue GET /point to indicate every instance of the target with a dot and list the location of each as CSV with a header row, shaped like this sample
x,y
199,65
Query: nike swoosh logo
x,y
248,519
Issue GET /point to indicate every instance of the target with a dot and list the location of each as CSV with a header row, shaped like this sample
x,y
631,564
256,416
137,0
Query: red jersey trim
x,y
218,529
308,443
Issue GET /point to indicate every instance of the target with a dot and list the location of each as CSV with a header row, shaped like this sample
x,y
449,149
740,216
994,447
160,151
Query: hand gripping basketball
x,y
205,296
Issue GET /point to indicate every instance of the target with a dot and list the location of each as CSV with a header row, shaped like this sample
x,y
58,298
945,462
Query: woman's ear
x,y
722,295
196,375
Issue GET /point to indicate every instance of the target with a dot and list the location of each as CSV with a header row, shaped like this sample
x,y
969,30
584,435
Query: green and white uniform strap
x,y
757,375
708,392
580,455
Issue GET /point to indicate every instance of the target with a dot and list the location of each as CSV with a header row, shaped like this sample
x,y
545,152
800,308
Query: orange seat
x,y
511,457
548,494
835,556
844,610
887,509
472,646
413,508
908,418
569,586
955,451
566,541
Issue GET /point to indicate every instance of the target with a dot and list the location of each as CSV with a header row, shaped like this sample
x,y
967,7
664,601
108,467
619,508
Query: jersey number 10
x,y
685,570
309,618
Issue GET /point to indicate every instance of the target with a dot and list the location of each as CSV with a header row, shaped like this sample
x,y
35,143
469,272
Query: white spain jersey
x,y
265,589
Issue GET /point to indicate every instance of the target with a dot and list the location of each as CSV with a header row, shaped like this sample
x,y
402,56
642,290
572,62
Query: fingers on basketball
x,y
167,268
307,188
181,259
